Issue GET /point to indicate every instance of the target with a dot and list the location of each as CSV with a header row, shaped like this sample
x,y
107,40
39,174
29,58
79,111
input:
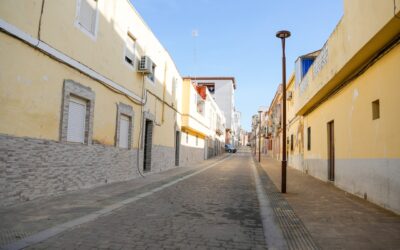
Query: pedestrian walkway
x,y
336,219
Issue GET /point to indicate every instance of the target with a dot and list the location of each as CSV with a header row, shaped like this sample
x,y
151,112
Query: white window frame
x,y
131,37
84,103
79,25
73,89
128,120
124,110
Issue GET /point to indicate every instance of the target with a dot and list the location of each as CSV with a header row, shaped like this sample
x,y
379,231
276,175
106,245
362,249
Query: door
x,y
177,147
331,151
148,141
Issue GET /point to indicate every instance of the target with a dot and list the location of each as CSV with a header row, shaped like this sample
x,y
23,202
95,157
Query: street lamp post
x,y
259,136
283,34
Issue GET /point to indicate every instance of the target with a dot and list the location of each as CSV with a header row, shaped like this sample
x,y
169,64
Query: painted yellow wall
x,y
356,134
31,85
191,119
295,128
367,25
30,99
191,139
23,14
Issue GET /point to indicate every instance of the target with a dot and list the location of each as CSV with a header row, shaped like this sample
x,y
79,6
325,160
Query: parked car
x,y
230,148
248,145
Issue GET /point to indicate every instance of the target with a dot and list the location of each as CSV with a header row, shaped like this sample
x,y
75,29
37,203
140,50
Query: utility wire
x,y
40,22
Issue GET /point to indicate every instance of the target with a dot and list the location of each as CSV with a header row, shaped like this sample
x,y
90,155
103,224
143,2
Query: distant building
x,y
258,134
222,89
203,124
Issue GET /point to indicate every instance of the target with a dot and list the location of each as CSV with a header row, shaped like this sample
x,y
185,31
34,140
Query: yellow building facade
x,y
88,96
203,124
347,104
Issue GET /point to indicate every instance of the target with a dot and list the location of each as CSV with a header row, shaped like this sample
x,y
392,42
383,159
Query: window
x,y
210,87
197,140
76,120
309,138
87,15
130,50
77,113
375,110
187,137
124,126
153,71
124,122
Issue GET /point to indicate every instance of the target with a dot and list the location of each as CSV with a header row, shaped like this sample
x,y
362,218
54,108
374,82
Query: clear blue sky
x,y
237,38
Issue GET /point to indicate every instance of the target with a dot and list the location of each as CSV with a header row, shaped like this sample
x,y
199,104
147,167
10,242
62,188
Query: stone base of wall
x,y
317,168
190,155
162,158
296,161
32,168
376,180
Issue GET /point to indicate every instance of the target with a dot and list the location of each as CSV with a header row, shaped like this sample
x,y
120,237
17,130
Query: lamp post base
x,y
283,182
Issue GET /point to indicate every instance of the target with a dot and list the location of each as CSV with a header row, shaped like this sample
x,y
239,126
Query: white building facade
x,y
222,89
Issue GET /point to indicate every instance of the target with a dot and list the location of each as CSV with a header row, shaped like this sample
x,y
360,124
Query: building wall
x,y
365,27
295,131
224,97
367,151
36,160
192,148
199,140
35,167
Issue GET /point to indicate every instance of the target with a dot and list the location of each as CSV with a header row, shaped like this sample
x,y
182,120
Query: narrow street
x,y
216,208
230,202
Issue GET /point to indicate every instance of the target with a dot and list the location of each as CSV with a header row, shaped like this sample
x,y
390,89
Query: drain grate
x,y
10,236
296,234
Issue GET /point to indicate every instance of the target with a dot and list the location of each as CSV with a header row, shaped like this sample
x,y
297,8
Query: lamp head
x,y
283,34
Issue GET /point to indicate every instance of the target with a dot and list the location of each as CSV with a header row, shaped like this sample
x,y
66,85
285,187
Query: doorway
x,y
331,151
148,141
177,147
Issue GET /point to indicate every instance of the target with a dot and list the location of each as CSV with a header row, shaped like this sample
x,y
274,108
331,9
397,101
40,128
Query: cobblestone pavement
x,y
336,219
215,209
28,218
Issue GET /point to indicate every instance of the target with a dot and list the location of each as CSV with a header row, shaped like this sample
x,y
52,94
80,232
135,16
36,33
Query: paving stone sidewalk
x,y
336,219
28,218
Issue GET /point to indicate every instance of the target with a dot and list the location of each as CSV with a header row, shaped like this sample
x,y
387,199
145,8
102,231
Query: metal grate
x,y
148,141
296,234
10,236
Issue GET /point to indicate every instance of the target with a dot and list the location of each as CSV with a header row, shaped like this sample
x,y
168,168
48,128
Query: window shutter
x,y
76,120
124,132
87,15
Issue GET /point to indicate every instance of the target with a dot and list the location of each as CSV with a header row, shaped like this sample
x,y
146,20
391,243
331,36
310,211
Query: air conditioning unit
x,y
289,95
145,65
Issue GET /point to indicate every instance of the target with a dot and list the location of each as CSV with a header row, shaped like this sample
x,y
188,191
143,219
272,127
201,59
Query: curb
x,y
294,231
